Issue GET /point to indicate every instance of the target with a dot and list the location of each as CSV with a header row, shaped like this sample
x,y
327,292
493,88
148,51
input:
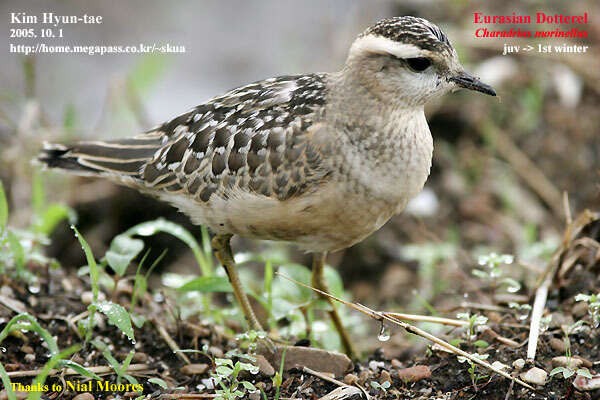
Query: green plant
x,y
522,309
474,320
570,370
381,386
116,314
226,376
26,322
18,247
593,301
494,273
120,369
475,377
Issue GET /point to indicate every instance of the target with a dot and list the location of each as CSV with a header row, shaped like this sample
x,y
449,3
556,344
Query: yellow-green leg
x,y
318,281
222,249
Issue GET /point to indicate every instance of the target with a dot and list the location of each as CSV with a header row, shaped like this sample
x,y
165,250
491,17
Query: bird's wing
x,y
255,138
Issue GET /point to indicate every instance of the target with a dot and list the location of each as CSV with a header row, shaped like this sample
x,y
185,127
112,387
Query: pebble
x,y
87,297
215,351
580,309
194,369
255,395
558,345
535,376
363,376
414,374
518,363
567,362
375,365
84,396
264,366
385,377
499,365
584,362
586,384
397,364
29,358
27,349
350,379
139,357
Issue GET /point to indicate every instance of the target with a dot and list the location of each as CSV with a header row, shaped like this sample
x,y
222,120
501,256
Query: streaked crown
x,y
411,30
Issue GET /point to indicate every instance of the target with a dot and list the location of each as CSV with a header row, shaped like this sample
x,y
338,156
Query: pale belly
x,y
328,219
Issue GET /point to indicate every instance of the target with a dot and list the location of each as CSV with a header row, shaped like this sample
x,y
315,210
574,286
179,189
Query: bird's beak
x,y
468,81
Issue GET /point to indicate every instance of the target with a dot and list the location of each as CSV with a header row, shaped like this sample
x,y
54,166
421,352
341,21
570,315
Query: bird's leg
x,y
318,281
222,249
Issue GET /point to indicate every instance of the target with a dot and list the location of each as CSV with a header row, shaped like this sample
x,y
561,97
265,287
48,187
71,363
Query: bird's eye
x,y
418,64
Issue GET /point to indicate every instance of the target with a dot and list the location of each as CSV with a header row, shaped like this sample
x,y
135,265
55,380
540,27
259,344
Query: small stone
x,y
364,376
375,365
215,351
580,309
350,379
499,365
264,366
315,359
414,374
194,369
518,363
535,376
84,396
397,364
567,362
208,383
559,319
558,345
385,377
87,297
140,357
255,395
27,349
29,358
584,362
586,384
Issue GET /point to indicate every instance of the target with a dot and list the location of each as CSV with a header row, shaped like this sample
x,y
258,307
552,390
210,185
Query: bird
x,y
320,160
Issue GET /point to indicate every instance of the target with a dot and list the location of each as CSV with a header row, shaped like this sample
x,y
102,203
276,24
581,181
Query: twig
x,y
162,331
323,376
379,316
536,316
567,208
96,370
428,318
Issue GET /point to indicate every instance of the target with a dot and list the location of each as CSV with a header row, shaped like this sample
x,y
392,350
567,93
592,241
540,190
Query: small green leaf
x,y
248,386
123,249
290,291
80,369
162,225
584,372
118,316
208,284
38,194
159,382
3,208
17,250
481,343
51,216
224,371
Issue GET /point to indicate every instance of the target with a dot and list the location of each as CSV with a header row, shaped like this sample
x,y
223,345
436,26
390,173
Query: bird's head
x,y
409,61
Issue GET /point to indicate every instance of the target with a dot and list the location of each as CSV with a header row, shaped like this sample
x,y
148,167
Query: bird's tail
x,y
118,159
